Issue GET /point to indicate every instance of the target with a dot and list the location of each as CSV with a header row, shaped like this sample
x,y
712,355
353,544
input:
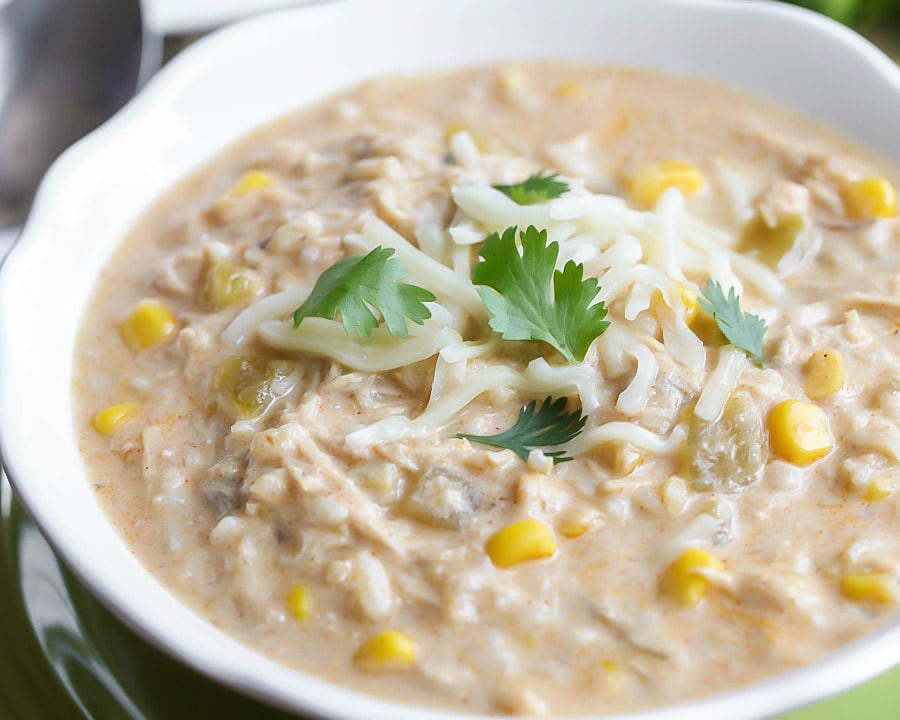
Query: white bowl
x,y
240,77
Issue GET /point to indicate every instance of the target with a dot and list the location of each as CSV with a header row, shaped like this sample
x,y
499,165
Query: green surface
x,y
65,656
861,14
878,699
28,687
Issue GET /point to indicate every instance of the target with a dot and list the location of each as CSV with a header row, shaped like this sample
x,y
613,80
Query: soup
x,y
537,388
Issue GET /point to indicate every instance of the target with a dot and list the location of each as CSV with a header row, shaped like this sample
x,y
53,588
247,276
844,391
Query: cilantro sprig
x,y
529,299
537,188
742,330
355,285
537,428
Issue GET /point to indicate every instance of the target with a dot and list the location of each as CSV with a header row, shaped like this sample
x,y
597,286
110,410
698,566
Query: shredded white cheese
x,y
626,432
424,270
636,256
720,384
378,353
495,210
245,325
537,379
464,150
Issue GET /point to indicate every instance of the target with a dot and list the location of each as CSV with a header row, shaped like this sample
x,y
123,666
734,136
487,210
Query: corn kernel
x,y
253,180
299,602
577,521
390,650
623,457
682,583
868,587
107,421
569,89
690,301
870,198
571,528
648,182
524,540
611,666
798,432
824,373
880,488
150,323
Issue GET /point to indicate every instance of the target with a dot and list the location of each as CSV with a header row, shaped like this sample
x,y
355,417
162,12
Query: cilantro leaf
x,y
535,189
530,300
355,284
743,330
547,427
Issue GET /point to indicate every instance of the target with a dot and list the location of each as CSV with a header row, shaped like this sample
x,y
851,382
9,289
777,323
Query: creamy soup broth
x,y
678,556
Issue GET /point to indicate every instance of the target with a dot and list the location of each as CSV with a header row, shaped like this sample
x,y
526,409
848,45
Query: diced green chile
x,y
727,454
248,386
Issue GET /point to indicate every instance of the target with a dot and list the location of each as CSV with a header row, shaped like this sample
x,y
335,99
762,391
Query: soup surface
x,y
681,447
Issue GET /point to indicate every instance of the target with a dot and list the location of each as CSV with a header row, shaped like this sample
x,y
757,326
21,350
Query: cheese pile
x,y
642,258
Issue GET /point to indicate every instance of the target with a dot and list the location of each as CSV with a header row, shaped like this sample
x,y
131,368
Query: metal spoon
x,y
65,67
